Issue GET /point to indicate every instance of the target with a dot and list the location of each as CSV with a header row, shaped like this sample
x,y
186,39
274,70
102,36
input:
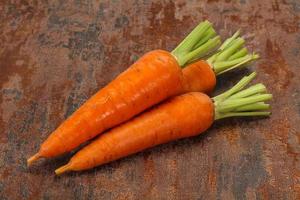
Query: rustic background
x,y
55,54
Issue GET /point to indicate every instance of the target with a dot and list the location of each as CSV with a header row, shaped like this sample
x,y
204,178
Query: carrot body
x,y
153,78
182,116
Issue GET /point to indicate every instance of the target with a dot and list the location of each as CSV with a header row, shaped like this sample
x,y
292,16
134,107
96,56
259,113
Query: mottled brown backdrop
x,y
55,54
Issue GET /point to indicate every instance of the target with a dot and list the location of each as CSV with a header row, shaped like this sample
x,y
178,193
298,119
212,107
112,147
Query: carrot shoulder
x,y
199,77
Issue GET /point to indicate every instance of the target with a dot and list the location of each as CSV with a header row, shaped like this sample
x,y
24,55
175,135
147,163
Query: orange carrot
x,y
130,93
182,116
154,77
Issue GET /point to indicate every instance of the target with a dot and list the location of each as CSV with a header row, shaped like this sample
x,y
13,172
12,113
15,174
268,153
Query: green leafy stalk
x,y
253,107
229,41
243,102
225,66
243,114
239,86
200,51
227,52
241,53
188,43
202,40
232,104
258,88
232,54
210,33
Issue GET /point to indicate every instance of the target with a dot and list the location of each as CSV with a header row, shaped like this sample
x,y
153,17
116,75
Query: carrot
x,y
183,116
154,77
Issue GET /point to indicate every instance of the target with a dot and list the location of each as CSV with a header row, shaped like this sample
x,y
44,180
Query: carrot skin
x,y
199,77
180,117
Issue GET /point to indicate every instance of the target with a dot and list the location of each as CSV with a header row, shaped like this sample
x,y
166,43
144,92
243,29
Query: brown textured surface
x,y
54,55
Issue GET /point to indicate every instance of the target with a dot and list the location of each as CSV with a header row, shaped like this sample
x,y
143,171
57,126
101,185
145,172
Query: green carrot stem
x,y
229,105
200,51
210,33
258,88
238,102
219,66
231,55
197,44
254,106
236,44
224,67
239,86
228,42
241,114
193,37
241,53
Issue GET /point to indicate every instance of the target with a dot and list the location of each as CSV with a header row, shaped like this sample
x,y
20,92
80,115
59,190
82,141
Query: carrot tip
x,y
32,159
62,169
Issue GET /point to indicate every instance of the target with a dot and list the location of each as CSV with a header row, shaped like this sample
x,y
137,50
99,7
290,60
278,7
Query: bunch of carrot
x,y
175,80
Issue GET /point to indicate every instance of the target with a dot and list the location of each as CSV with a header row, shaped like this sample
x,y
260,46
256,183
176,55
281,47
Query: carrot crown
x,y
243,102
201,41
231,54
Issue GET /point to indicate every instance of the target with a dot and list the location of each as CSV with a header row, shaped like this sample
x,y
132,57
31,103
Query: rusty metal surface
x,y
55,54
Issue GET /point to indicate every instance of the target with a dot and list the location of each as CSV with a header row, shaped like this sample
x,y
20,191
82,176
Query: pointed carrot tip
x,y
62,169
32,159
